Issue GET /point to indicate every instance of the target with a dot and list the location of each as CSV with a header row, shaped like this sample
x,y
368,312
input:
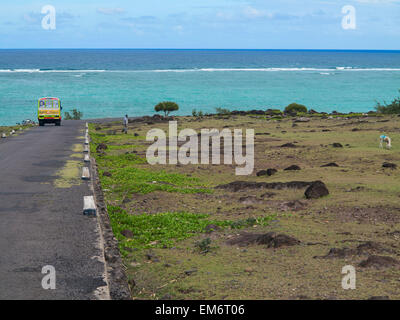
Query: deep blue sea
x,y
111,83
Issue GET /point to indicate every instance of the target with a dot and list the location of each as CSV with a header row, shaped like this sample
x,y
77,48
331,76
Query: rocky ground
x,y
323,195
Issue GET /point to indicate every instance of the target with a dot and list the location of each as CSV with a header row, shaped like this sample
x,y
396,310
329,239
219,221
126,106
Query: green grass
x,y
164,230
136,180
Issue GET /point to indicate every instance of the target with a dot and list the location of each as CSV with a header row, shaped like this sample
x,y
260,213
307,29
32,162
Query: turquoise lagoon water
x,y
111,83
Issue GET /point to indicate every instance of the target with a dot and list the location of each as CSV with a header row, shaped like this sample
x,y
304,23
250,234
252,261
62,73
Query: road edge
x,y
115,269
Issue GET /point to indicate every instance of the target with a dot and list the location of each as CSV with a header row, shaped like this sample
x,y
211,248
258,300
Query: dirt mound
x,y
243,185
293,167
294,205
330,164
366,248
379,262
317,190
389,165
337,145
288,145
271,239
367,214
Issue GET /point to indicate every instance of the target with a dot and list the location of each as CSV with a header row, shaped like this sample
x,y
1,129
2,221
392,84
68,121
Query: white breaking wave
x,y
320,70
47,71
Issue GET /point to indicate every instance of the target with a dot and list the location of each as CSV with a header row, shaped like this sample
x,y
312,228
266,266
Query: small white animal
x,y
387,140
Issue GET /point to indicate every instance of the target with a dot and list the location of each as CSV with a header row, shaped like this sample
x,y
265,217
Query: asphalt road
x,y
41,224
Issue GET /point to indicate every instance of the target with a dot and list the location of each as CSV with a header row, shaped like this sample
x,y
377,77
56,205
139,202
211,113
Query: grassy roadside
x,y
174,227
17,129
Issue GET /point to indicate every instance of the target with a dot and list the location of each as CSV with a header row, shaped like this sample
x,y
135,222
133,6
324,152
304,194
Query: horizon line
x,y
199,49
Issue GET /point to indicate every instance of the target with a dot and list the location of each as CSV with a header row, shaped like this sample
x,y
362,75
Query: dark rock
x,y
101,147
268,172
330,164
317,190
136,134
288,145
107,174
190,272
293,167
261,173
337,145
389,165
379,298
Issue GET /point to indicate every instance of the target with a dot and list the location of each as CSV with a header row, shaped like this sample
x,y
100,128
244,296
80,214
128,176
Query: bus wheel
x,y
58,123
41,123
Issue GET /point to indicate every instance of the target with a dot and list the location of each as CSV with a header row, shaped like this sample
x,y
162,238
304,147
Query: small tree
x,y
295,107
166,107
76,115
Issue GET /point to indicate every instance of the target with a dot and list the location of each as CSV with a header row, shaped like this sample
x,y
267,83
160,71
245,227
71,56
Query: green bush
x,y
295,107
222,111
76,115
391,108
167,107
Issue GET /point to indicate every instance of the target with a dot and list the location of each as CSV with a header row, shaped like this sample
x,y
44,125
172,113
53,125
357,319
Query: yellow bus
x,y
49,111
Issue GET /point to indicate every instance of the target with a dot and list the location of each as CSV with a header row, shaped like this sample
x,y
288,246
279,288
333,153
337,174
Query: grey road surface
x,y
41,220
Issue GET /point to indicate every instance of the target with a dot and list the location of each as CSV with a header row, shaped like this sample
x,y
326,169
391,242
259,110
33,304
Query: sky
x,y
201,24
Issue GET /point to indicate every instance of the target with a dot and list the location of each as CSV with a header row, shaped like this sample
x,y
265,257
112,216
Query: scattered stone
x,y
288,145
337,145
101,147
268,172
127,233
293,167
136,134
379,262
190,272
317,190
271,239
107,174
330,164
261,173
389,165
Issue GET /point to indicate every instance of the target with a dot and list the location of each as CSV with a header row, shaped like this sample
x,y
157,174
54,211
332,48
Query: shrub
x,y
167,107
391,108
194,113
76,115
222,111
295,107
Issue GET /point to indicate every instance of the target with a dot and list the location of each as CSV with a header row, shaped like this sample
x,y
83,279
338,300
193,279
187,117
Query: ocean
x,y
112,83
